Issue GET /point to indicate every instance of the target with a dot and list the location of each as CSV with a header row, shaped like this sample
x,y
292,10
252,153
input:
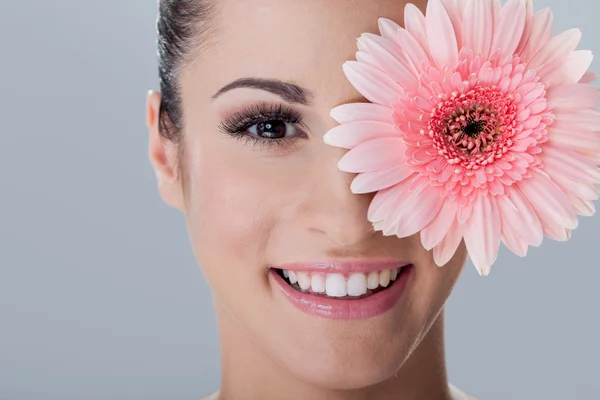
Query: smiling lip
x,y
345,309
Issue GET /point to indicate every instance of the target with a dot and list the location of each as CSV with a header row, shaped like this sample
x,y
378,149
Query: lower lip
x,y
331,308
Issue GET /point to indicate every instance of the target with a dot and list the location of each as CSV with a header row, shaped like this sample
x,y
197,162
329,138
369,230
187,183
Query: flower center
x,y
473,128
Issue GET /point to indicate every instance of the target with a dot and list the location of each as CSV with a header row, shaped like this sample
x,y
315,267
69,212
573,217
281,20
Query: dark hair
x,y
182,29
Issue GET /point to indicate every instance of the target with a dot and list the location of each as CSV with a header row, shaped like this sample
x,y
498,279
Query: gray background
x,y
100,296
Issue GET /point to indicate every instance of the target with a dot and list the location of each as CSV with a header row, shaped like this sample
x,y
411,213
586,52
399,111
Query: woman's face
x,y
251,206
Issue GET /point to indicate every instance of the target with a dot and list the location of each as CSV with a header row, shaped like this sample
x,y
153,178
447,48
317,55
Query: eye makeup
x,y
268,125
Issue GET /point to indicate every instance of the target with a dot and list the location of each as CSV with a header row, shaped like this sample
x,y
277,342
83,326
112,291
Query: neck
x,y
248,373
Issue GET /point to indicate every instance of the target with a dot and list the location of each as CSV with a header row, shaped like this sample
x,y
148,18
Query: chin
x,y
349,364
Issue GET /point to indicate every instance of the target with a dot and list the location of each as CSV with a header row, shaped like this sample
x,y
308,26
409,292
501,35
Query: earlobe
x,y
163,155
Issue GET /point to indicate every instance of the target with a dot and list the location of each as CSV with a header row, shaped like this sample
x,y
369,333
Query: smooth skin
x,y
248,208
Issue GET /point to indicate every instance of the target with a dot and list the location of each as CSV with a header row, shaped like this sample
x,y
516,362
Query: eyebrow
x,y
287,91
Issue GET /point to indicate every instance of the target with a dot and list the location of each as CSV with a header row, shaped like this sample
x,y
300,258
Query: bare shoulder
x,y
211,397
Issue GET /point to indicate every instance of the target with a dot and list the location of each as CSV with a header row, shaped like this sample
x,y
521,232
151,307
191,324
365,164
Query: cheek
x,y
234,201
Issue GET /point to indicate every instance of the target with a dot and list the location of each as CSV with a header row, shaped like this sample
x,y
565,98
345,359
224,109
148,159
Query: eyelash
x,y
237,124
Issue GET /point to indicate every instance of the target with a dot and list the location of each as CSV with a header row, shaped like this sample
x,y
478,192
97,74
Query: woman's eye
x,y
275,129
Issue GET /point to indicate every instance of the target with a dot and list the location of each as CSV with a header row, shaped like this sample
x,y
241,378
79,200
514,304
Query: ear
x,y
163,156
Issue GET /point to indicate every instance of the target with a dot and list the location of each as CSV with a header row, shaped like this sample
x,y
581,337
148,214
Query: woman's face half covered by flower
x,y
259,195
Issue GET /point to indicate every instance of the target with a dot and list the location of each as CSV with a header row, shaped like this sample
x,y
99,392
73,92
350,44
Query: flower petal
x,y
351,134
353,112
513,243
482,233
373,181
477,28
415,24
390,59
419,211
569,164
446,249
519,216
549,202
440,33
539,34
584,191
575,140
414,52
583,207
588,120
372,83
373,155
388,28
571,70
386,201
573,96
509,30
433,233
562,44
588,77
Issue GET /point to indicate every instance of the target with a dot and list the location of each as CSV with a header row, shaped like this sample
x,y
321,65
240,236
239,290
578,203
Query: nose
x,y
330,208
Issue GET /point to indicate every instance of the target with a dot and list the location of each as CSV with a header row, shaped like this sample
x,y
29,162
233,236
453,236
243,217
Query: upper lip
x,y
347,266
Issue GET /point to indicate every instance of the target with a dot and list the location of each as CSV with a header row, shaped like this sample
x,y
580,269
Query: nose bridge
x,y
333,209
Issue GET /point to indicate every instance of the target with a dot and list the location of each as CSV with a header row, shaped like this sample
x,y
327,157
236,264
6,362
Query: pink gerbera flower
x,y
481,126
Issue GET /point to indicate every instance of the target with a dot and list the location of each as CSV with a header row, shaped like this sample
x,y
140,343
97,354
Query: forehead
x,y
302,41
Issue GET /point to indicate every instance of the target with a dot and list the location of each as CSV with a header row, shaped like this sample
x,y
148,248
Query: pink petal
x,y
514,244
367,58
442,39
583,207
557,233
477,28
562,44
373,181
351,134
433,233
390,60
528,28
372,83
575,140
482,234
456,14
573,96
519,216
445,250
549,202
509,30
386,201
388,28
588,77
585,191
419,211
413,50
570,164
373,155
572,70
353,112
588,120
415,24
540,33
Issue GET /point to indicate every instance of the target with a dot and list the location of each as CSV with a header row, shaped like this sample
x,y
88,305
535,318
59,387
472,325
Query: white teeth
x,y
317,283
340,285
373,280
293,277
303,280
384,277
357,285
335,286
